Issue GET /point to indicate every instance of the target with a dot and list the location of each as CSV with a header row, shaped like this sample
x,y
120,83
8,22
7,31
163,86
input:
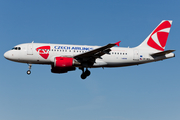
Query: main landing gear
x,y
29,71
85,74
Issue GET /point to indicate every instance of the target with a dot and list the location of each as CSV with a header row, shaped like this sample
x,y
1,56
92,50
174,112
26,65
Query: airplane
x,y
65,57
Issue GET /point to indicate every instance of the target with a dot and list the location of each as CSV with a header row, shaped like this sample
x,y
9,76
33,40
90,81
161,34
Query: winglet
x,y
117,43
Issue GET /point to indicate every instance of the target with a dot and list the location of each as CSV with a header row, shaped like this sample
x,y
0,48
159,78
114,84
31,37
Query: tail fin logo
x,y
158,38
43,51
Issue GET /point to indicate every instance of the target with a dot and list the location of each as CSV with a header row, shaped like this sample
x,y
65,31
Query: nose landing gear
x,y
29,71
85,74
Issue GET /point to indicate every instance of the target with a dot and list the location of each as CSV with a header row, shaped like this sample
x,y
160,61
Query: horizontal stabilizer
x,y
162,53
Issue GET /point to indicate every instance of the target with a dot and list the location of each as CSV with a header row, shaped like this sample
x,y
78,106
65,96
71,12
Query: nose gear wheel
x,y
29,71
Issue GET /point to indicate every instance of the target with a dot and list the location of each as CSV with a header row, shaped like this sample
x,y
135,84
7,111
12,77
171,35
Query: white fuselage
x,y
118,57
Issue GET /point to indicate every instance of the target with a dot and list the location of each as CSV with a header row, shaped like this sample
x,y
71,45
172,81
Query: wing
x,y
90,56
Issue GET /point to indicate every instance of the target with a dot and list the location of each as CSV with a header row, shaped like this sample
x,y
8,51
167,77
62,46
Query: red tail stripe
x,y
165,24
162,36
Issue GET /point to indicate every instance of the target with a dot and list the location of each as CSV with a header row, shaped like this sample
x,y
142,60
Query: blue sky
x,y
145,92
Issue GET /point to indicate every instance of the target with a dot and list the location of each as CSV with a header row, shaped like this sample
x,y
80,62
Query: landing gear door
x,y
136,55
30,49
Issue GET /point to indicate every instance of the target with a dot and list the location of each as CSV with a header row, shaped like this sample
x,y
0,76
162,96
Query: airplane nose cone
x,y
6,55
10,55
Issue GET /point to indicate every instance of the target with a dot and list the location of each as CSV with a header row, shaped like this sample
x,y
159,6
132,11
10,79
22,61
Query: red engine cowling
x,y
63,65
63,62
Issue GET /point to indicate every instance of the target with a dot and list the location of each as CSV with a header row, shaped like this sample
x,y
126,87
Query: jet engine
x,y
64,64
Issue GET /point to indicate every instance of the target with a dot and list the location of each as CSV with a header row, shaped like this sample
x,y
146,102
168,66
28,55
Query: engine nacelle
x,y
63,62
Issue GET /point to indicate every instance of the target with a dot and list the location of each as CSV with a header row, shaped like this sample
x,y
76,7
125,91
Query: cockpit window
x,y
16,48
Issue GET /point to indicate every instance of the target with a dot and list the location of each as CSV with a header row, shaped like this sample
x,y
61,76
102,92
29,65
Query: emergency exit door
x,y
136,55
30,49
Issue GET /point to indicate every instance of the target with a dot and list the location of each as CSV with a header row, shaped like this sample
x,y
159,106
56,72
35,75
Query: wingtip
x,y
117,43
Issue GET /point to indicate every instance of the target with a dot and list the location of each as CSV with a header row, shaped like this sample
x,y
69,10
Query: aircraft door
x,y
136,55
30,49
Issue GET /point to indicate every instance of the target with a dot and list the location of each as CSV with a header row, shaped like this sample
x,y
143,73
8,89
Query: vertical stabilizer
x,y
158,37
